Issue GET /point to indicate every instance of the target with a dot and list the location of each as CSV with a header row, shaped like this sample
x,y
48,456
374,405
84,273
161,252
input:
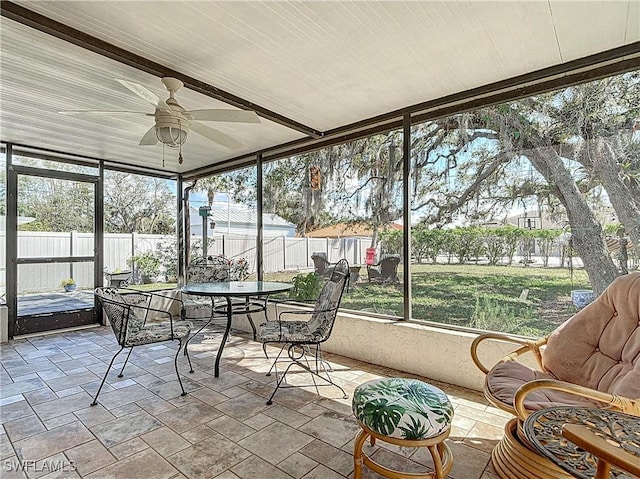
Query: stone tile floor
x,y
143,428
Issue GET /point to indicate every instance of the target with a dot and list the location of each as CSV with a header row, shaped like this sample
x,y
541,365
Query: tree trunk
x,y
586,232
624,195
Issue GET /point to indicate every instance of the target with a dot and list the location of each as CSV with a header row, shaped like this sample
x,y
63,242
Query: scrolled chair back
x,y
328,302
214,269
211,269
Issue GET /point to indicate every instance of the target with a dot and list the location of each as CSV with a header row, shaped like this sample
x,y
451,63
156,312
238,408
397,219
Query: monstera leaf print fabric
x,y
403,408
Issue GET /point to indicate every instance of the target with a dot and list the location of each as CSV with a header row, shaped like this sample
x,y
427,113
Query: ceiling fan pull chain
x,y
163,155
180,160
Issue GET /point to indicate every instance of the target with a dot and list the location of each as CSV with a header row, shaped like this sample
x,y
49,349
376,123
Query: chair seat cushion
x,y
402,408
286,331
157,332
505,378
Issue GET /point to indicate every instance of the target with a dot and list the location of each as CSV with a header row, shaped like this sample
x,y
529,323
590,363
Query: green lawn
x,y
513,299
484,297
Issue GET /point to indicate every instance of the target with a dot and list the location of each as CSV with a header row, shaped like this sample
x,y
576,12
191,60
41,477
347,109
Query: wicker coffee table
x,y
620,432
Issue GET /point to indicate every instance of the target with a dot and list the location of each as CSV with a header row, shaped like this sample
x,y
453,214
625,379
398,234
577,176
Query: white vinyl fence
x,y
280,254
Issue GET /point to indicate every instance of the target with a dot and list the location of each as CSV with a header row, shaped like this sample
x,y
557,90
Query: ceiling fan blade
x,y
149,137
103,112
238,116
145,93
216,136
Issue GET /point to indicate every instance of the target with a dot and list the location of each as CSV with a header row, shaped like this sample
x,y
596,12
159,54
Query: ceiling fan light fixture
x,y
172,136
171,128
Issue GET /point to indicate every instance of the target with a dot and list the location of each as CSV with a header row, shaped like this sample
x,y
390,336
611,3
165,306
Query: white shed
x,y
239,220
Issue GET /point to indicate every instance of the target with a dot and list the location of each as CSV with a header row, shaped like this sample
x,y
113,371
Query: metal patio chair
x,y
216,269
301,337
129,315
203,270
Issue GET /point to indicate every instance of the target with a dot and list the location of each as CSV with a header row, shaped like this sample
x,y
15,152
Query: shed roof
x,y
239,214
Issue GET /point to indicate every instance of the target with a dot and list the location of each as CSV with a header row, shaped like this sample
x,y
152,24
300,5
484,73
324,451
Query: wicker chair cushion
x,y
402,408
505,378
157,332
599,347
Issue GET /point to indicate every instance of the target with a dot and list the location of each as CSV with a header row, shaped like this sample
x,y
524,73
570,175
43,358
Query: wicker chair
x,y
129,314
385,271
300,337
321,264
591,360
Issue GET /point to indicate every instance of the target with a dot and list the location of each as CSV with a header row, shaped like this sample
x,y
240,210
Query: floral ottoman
x,y
405,412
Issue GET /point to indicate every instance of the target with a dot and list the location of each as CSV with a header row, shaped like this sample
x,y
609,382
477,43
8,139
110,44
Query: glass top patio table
x,y
236,289
230,290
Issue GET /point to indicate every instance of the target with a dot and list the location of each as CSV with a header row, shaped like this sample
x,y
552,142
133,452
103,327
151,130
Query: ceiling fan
x,y
173,122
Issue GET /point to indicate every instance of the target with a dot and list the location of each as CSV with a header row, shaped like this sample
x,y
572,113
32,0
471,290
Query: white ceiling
x,y
324,64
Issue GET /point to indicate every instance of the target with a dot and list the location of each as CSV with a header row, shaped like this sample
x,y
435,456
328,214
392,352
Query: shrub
x,y
146,263
167,254
306,286
498,315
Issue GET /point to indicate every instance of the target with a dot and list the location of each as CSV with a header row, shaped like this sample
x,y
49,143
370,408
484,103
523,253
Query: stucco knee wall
x,y
412,347
418,348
